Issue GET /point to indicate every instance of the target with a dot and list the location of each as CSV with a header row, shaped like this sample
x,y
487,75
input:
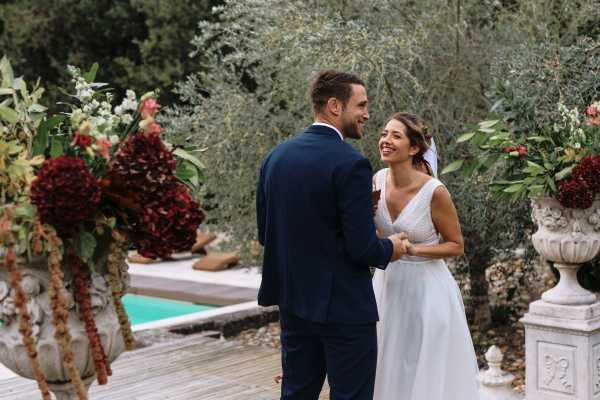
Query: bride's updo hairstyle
x,y
417,134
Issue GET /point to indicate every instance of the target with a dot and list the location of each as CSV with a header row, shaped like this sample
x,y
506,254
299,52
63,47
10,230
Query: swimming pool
x,y
142,309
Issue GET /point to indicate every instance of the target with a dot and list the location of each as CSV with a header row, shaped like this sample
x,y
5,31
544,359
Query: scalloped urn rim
x,y
566,235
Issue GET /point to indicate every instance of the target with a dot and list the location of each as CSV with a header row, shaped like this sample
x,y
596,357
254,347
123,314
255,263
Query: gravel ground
x,y
510,338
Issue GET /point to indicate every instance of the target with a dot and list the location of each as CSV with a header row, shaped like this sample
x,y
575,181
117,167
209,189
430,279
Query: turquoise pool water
x,y
147,309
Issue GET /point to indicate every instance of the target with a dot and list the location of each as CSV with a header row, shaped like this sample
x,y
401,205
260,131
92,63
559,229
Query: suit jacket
x,y
315,221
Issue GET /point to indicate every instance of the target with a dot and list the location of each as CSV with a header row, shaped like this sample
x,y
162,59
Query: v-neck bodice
x,y
415,217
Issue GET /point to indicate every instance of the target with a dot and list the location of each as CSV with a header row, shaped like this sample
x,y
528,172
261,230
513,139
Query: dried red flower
x,y
25,328
117,254
81,141
60,313
588,170
81,293
153,129
575,193
592,111
65,193
143,164
168,224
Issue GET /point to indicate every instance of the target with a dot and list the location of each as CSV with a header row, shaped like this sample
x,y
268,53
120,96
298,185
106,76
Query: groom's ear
x,y
334,106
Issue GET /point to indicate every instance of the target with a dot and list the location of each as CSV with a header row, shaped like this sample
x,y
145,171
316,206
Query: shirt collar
x,y
330,126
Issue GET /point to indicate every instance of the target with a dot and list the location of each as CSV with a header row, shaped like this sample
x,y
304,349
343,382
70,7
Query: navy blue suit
x,y
315,221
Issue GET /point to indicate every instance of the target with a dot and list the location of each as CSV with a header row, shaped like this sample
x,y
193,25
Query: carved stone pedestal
x,y
562,351
562,331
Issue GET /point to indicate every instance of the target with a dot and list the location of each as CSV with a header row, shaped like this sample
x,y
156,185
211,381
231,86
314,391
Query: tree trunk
x,y
480,313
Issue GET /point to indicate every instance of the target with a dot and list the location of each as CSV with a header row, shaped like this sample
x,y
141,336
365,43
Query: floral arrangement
x,y
562,160
97,179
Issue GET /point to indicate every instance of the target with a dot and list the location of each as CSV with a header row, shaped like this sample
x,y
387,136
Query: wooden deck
x,y
196,367
194,292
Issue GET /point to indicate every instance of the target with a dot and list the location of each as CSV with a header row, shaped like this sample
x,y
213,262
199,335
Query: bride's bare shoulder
x,y
441,197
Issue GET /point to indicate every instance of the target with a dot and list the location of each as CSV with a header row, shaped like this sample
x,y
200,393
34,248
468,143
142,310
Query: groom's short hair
x,y
331,83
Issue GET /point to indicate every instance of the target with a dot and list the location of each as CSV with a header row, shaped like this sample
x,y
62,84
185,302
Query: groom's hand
x,y
399,243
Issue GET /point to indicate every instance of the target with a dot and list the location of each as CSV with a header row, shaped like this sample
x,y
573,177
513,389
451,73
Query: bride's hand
x,y
410,248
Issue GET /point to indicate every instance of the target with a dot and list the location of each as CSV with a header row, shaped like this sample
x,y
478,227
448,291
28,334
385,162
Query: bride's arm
x,y
445,220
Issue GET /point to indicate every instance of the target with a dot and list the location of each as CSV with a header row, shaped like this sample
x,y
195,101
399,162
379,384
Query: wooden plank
x,y
194,292
192,368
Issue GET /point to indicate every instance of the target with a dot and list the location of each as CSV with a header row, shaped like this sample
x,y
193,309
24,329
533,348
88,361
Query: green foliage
x,y
529,81
253,93
20,115
539,140
141,44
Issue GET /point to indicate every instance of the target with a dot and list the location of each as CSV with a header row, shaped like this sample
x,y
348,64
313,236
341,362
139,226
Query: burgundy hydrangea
x,y
143,163
65,193
168,224
588,170
575,193
165,218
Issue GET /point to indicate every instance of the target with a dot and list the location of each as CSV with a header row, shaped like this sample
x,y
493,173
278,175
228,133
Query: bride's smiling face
x,y
394,144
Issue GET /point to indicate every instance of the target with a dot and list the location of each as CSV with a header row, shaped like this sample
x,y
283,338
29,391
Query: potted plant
x,y
558,168
77,190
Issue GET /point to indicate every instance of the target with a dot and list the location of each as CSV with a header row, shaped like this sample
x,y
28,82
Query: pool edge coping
x,y
197,317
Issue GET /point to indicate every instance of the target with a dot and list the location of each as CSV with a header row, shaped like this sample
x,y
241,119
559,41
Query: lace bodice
x,y
414,219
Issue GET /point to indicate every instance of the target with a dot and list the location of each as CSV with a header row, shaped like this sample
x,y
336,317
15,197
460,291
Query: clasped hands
x,y
401,244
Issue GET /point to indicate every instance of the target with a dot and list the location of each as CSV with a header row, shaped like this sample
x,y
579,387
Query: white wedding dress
x,y
425,351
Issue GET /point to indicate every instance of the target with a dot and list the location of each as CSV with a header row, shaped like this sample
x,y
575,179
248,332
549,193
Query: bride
x,y
425,351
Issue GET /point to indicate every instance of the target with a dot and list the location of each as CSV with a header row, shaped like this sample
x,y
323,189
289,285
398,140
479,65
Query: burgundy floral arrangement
x,y
579,190
89,185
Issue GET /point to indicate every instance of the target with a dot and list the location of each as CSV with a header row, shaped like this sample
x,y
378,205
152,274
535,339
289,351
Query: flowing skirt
x,y
425,350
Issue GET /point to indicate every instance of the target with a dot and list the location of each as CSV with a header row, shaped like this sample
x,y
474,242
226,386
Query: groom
x,y
315,221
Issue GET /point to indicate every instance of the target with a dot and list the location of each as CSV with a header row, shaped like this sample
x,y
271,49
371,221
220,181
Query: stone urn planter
x,y
35,282
568,237
562,330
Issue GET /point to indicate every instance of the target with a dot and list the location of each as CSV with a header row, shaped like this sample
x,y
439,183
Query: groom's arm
x,y
356,209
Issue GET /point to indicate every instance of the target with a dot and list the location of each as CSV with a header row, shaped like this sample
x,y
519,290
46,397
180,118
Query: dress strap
x,y
430,188
380,178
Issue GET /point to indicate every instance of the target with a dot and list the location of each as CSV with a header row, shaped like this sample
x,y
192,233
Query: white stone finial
x,y
495,383
494,359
